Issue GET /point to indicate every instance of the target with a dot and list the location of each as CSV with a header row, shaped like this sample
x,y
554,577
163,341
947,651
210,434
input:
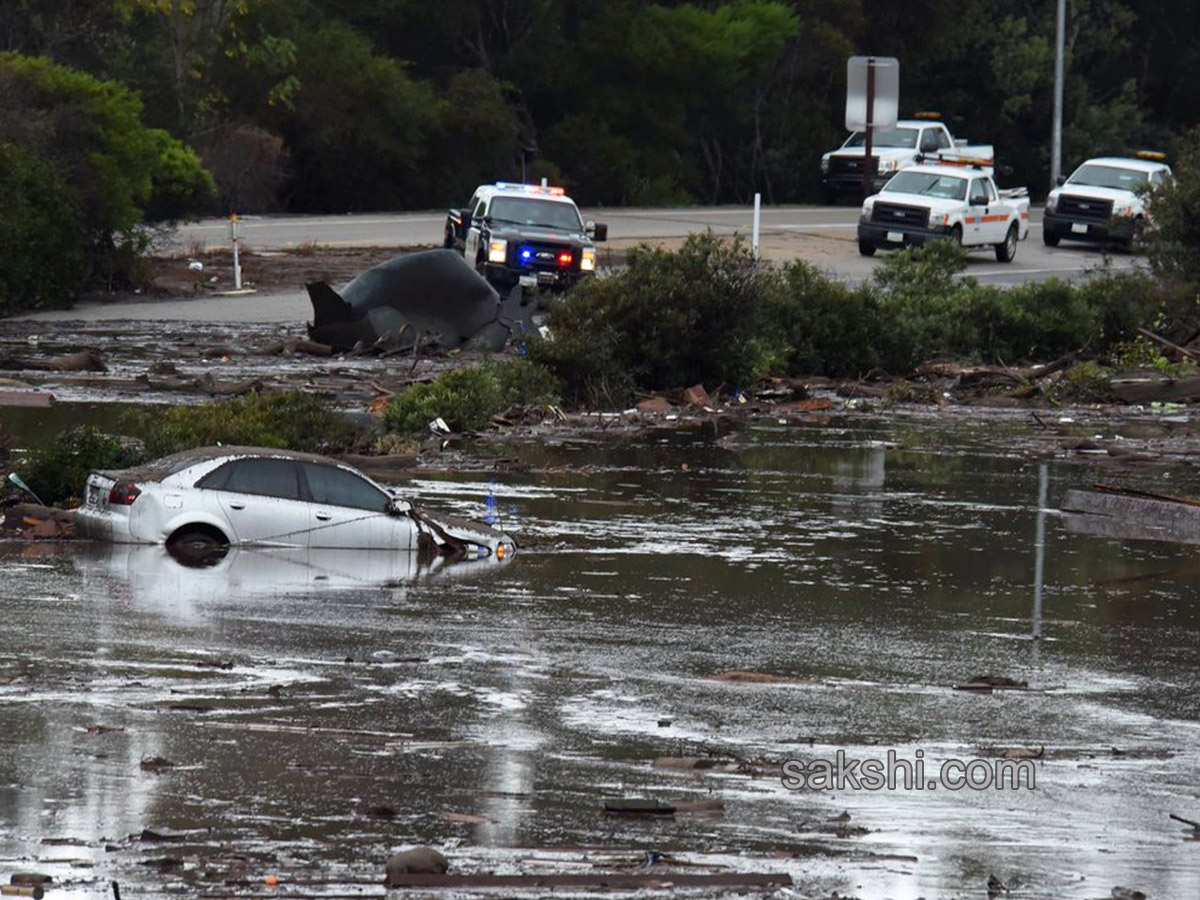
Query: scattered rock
x,y
417,861
157,764
30,878
1124,893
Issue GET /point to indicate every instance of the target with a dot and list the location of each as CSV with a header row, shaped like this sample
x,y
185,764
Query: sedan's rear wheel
x,y
198,546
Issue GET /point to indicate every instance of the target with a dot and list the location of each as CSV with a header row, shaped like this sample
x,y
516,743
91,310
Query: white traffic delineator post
x,y
757,223
237,261
237,266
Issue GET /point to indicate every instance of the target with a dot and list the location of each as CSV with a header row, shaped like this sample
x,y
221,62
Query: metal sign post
x,y
868,163
872,101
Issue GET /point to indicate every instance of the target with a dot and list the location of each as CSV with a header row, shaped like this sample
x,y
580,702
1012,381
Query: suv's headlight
x,y
587,262
1123,209
824,163
497,251
1051,203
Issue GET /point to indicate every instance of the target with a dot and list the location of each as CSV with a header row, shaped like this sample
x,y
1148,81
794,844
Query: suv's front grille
x,y
544,256
850,166
1084,207
900,215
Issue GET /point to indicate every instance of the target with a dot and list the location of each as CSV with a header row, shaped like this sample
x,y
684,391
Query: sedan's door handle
x,y
237,505
324,516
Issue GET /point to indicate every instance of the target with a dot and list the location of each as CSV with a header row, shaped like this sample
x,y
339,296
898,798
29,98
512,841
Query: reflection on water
x,y
490,709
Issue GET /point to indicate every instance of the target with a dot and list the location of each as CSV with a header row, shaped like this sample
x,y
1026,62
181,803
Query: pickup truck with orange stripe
x,y
958,202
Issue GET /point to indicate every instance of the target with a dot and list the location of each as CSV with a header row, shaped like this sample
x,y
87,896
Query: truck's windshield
x,y
1091,175
928,184
530,211
886,137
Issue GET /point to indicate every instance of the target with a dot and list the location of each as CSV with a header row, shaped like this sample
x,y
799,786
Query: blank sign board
x,y
887,91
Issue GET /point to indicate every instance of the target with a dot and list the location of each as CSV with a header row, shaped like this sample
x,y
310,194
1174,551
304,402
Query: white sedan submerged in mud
x,y
218,496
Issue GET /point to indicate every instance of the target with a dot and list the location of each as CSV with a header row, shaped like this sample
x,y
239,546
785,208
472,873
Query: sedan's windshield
x,y
886,137
529,211
928,184
1092,175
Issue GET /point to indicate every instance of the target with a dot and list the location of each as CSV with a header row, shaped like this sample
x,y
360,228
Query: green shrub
x,y
57,471
466,399
43,258
292,421
670,319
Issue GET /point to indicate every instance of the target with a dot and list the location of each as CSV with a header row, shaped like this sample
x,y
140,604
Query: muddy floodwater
x,y
301,715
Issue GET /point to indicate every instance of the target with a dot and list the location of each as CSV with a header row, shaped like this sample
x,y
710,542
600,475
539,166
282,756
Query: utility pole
x,y
1056,135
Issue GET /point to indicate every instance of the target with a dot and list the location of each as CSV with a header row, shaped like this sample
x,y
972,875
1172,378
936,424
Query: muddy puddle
x,y
776,593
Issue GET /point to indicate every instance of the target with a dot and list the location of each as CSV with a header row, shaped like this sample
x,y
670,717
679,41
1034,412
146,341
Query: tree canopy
x,y
358,104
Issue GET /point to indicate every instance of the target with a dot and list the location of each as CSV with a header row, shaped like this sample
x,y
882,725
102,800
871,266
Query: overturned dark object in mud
x,y
429,297
1129,514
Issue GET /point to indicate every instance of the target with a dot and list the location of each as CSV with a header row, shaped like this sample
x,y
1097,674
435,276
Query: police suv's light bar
x,y
927,114
531,188
1151,154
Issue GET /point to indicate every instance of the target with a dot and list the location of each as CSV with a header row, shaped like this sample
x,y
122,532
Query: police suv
x,y
525,234
1104,200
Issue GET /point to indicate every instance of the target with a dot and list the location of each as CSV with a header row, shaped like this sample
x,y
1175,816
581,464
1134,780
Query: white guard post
x,y
237,266
757,224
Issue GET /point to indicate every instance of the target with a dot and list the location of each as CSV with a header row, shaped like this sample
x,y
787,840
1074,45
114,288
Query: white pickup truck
x,y
958,202
1104,201
910,142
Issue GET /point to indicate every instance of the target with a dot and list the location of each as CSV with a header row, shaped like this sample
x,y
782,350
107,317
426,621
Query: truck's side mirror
x,y
597,231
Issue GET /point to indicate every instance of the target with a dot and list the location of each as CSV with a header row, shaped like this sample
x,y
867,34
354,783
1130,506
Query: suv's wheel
x,y
1006,250
866,248
956,234
448,238
1049,236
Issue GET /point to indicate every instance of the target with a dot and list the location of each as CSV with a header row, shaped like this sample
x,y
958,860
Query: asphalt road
x,y
822,235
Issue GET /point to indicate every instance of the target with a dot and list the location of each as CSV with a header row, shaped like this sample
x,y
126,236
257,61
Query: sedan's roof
x,y
158,469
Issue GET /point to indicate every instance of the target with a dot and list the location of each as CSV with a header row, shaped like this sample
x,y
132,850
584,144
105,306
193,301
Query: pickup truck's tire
x,y
1007,249
866,248
1049,236
956,234
448,239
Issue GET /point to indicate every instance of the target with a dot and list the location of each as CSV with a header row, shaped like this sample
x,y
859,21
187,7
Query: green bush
x,y
57,471
292,421
43,256
709,313
669,319
466,399
1173,241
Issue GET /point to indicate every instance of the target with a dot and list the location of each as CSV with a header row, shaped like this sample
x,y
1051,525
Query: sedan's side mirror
x,y
597,231
1060,180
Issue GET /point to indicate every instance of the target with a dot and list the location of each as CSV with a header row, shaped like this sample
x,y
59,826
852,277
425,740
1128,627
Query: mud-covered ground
x,y
298,716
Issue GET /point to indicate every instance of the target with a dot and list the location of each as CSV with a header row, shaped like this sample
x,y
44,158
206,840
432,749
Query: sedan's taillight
x,y
123,494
